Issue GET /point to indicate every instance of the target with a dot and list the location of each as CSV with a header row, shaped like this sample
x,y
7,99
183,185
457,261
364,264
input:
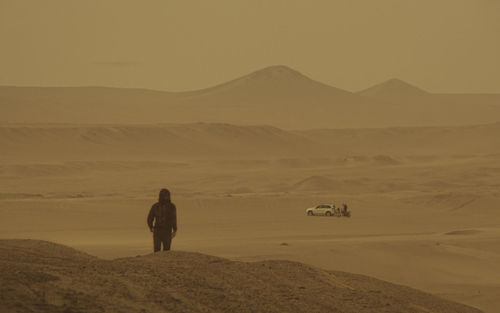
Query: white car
x,y
322,209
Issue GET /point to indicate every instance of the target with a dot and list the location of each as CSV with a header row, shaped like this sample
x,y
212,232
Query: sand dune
x,y
418,196
412,141
277,95
244,207
464,232
207,140
40,276
165,142
316,183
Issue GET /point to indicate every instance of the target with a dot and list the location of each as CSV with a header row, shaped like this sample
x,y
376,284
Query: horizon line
x,y
240,77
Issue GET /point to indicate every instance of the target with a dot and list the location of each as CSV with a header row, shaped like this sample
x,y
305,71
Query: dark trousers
x,y
162,236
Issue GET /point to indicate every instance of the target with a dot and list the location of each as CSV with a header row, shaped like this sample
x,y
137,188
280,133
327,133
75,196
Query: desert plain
x,y
424,201
250,112
420,173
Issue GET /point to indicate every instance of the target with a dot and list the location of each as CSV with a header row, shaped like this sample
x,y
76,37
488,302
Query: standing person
x,y
344,209
164,215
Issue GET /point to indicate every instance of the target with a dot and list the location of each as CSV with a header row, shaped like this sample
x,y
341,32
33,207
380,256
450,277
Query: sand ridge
x,y
178,142
45,277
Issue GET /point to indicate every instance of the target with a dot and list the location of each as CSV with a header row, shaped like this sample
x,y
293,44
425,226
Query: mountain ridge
x,y
276,95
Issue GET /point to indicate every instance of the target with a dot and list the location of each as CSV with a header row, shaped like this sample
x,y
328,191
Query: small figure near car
x,y
344,209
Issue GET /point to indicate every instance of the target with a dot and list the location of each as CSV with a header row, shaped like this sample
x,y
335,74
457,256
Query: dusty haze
x,y
250,112
446,46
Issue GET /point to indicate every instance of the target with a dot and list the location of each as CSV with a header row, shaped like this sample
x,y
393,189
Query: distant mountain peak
x,y
396,83
272,84
277,72
278,69
393,88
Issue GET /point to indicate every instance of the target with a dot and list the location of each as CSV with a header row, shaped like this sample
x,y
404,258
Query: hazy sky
x,y
439,45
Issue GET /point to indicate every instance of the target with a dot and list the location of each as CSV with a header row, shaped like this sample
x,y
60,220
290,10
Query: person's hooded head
x,y
164,196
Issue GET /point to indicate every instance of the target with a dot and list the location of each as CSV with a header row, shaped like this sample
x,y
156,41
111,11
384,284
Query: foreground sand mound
x,y
40,276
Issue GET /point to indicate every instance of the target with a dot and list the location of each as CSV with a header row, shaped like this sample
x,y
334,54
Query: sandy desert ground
x,y
424,201
39,276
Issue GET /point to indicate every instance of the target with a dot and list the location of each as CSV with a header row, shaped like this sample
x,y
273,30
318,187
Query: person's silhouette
x,y
164,215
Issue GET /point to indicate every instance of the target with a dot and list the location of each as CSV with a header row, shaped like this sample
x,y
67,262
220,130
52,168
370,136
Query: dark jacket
x,y
164,216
